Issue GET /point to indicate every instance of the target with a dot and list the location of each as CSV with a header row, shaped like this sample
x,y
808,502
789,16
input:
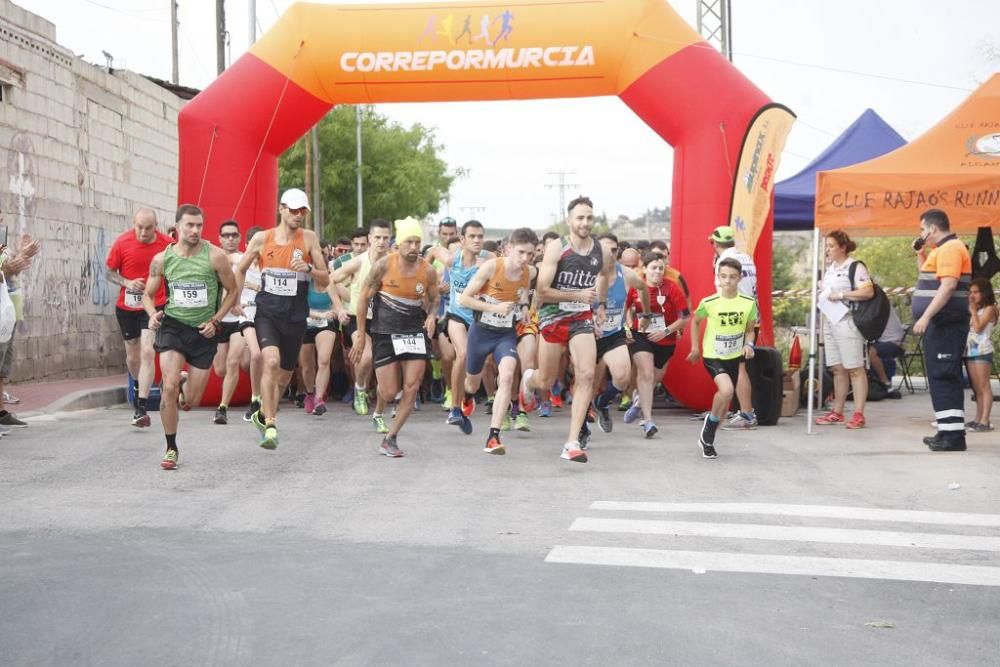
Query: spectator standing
x,y
979,350
844,344
12,265
941,314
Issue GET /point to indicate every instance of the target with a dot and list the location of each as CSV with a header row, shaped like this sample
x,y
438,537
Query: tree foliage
x,y
403,173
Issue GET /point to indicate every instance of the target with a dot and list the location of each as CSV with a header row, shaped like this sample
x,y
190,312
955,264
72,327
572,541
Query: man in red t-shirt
x,y
128,266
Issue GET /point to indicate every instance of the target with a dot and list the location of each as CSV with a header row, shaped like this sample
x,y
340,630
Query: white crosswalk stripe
x,y
942,568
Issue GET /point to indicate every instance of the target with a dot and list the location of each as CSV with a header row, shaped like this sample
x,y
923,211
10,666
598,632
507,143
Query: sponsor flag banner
x,y
754,187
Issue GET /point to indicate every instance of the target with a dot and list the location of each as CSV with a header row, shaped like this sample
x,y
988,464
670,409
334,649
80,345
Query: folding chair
x,y
913,350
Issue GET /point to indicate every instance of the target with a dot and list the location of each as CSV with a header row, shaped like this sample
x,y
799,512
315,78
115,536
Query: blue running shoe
x,y
633,414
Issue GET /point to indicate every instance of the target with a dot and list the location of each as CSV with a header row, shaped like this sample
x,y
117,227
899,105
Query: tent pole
x,y
812,336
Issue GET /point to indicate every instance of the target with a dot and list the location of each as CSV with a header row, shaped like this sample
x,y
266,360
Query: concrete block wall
x,y
80,150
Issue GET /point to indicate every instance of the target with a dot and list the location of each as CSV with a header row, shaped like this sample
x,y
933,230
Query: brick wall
x,y
80,150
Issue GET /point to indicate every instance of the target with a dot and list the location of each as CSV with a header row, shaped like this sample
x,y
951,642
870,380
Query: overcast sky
x,y
828,60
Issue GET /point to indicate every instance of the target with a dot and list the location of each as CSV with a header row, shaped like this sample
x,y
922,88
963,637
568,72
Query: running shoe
x,y
319,409
361,402
572,452
454,417
649,428
979,428
10,420
506,423
556,400
417,403
625,403
494,446
437,390
829,418
603,418
309,403
220,416
270,437
466,425
379,423
169,461
468,406
488,406
257,421
545,409
389,448
633,414
584,437
527,398
10,400
706,439
4,431
300,400
521,422
741,422
857,421
140,418
348,397
254,407
446,403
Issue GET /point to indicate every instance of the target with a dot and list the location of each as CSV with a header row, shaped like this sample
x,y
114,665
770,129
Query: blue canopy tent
x,y
795,198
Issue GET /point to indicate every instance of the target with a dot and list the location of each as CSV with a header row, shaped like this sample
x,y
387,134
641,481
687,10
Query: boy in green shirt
x,y
729,339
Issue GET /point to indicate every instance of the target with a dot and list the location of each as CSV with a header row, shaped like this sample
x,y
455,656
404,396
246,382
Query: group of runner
x,y
520,322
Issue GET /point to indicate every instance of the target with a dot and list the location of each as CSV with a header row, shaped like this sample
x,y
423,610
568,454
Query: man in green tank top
x,y
195,273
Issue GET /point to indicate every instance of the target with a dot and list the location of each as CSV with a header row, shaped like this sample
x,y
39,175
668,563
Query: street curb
x,y
84,399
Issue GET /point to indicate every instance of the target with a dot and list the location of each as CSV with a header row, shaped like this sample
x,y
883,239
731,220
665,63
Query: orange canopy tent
x,y
954,166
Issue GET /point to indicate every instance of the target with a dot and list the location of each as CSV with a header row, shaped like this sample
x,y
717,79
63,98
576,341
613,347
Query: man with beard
x,y
194,272
404,293
288,257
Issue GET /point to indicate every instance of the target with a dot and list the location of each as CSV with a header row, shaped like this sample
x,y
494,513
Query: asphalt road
x,y
839,548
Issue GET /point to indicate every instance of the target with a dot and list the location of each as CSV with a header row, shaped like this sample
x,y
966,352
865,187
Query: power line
x,y
132,10
839,70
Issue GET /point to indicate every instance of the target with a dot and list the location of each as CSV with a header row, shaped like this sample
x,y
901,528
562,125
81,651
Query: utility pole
x,y
561,186
220,35
308,180
175,76
253,21
319,221
715,24
361,204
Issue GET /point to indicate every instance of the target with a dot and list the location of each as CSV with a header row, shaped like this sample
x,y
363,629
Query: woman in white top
x,y
979,350
844,344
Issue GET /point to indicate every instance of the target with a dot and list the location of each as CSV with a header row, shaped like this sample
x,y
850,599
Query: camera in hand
x,y
918,243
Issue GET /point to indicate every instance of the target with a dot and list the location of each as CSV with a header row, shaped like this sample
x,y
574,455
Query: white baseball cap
x,y
294,199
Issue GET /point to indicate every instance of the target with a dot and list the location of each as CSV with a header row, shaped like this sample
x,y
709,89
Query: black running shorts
x,y
131,322
612,342
227,330
282,334
730,367
174,336
661,353
384,353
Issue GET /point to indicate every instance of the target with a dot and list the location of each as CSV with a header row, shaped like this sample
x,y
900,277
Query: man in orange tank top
x,y
288,257
404,292
497,293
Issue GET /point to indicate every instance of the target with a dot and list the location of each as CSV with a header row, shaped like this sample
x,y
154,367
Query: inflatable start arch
x,y
726,134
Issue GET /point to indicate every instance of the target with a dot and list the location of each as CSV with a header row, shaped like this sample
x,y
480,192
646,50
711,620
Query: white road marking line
x,y
812,511
971,575
788,533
